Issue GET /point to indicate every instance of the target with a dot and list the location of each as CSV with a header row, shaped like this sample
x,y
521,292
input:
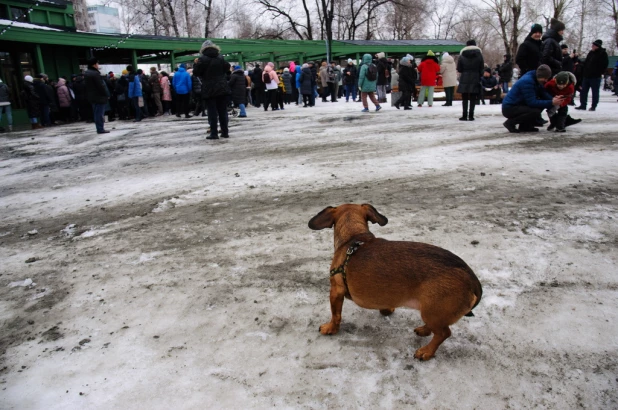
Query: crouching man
x,y
527,99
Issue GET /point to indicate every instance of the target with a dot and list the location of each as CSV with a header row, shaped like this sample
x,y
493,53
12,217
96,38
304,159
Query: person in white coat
x,y
448,71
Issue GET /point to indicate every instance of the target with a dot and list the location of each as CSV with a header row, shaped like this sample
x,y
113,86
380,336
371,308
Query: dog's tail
x,y
478,292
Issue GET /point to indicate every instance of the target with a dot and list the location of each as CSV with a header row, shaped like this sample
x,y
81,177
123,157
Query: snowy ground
x,y
174,272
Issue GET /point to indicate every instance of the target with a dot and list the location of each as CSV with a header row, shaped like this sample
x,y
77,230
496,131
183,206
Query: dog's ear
x,y
374,216
324,219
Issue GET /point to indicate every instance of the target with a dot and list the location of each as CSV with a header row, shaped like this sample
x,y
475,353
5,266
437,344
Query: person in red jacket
x,y
562,84
428,70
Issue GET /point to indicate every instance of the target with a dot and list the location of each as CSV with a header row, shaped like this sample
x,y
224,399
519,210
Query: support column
x,y
241,61
134,59
301,59
358,60
172,61
271,57
38,55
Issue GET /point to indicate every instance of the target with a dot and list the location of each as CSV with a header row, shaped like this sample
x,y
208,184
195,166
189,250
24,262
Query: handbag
x,y
140,102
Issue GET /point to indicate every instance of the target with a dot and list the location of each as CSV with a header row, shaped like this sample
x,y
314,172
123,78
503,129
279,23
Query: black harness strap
x,y
341,269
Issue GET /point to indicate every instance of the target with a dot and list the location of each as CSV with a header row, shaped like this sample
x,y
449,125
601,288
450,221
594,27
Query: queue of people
x,y
548,71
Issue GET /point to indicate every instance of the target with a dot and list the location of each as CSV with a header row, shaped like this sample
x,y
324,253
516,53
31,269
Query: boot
x,y
471,113
464,117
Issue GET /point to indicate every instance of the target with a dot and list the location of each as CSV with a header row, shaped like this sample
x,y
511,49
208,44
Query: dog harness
x,y
341,269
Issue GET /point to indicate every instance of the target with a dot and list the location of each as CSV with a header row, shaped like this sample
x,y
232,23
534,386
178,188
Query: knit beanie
x,y
536,28
29,78
562,78
556,25
125,72
350,61
431,53
543,71
286,70
237,67
471,43
563,46
488,70
598,43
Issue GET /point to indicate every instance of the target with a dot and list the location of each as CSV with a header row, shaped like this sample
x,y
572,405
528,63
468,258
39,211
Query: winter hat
x,y
271,64
543,71
598,43
556,25
29,78
183,65
564,46
208,44
286,70
471,43
237,67
488,70
125,72
380,55
431,53
562,78
536,28
350,61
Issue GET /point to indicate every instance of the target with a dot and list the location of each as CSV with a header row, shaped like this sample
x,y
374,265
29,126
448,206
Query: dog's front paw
x,y
329,329
424,353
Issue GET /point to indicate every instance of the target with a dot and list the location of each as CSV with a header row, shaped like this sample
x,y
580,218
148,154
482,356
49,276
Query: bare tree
x,y
443,17
281,9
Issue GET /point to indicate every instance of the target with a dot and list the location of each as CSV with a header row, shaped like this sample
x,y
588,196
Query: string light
x,y
5,29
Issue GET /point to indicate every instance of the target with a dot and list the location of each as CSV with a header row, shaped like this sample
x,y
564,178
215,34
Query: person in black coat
x,y
470,66
32,101
407,80
258,86
592,72
213,70
350,80
551,53
97,94
567,60
307,86
44,100
528,56
238,86
506,73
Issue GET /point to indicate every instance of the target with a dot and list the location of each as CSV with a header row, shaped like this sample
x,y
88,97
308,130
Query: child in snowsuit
x,y
562,84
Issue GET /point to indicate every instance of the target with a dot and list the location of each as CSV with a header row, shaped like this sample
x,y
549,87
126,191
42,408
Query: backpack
x,y
266,78
372,72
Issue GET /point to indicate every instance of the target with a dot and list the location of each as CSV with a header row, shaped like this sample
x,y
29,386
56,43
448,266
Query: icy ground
x,y
171,272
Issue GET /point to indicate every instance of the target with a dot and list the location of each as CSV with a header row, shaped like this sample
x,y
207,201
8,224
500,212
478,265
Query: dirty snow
x,y
168,271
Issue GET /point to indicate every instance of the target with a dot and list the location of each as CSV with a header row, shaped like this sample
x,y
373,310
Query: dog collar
x,y
341,269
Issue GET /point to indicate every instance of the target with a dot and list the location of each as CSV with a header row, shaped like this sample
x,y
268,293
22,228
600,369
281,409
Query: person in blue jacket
x,y
183,85
299,98
527,99
135,92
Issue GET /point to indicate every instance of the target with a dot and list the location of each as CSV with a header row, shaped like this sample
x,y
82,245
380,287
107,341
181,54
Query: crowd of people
x,y
549,78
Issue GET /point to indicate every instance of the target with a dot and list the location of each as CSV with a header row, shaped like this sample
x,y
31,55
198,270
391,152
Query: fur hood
x,y
209,45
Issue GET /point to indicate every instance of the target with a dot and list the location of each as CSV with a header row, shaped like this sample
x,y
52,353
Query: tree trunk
x,y
173,17
187,22
208,10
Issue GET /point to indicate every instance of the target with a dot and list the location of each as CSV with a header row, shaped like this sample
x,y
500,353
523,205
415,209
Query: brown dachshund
x,y
380,274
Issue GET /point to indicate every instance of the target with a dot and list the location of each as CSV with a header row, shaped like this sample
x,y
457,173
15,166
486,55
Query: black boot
x,y
464,117
471,113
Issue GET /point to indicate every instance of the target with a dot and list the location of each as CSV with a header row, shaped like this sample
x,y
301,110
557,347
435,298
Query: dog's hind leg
x,y
440,334
337,295
422,331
